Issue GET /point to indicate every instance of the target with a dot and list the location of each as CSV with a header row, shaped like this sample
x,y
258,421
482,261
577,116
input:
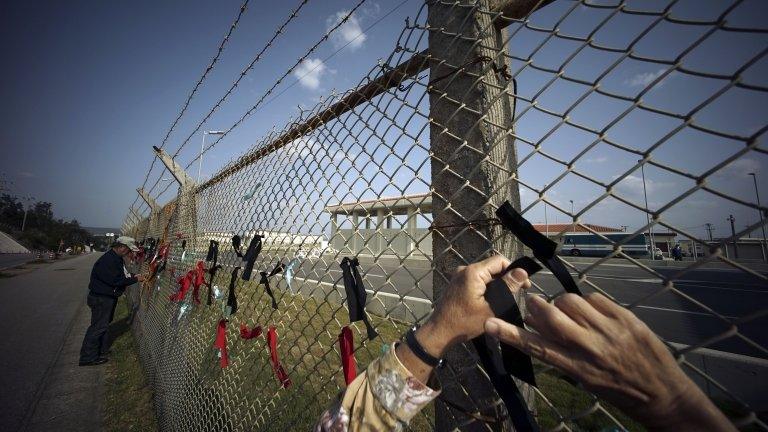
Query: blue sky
x,y
93,86
88,87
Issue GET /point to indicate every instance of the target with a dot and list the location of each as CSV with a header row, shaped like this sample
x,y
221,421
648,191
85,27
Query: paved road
x,y
683,315
12,260
36,310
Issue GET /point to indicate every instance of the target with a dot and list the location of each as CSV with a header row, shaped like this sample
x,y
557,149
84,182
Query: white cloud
x,y
349,33
632,185
309,73
26,174
739,168
303,147
644,79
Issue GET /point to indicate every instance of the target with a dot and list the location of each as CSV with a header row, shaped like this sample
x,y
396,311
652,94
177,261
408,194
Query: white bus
x,y
588,244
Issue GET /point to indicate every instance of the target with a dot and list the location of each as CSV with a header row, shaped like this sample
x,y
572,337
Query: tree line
x,y
42,231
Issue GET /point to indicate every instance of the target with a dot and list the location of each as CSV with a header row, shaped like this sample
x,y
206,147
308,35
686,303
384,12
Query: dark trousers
x,y
96,340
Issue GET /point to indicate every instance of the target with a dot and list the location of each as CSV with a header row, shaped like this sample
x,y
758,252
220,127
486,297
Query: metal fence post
x,y
473,170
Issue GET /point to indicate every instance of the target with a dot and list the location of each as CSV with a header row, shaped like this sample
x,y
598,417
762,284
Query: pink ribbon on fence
x,y
347,348
282,376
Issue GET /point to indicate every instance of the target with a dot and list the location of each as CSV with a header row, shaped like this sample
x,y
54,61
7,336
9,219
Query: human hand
x,y
141,277
615,355
461,311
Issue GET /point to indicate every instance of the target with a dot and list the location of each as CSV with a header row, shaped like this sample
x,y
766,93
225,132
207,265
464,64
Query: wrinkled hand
x,y
141,277
462,310
614,355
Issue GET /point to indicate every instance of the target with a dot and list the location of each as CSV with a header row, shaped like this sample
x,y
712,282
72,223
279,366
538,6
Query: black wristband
x,y
419,351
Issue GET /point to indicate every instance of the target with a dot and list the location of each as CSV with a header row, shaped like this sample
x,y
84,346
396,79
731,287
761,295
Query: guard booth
x,y
392,226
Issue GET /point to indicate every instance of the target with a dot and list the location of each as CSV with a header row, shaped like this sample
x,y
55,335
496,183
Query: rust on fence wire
x,y
630,133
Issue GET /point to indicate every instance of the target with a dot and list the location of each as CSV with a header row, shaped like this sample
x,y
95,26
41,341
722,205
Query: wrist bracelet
x,y
419,351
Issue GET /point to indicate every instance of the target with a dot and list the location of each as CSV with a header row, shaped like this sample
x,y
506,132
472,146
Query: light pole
x,y
202,149
647,212
546,223
709,227
26,209
732,220
762,225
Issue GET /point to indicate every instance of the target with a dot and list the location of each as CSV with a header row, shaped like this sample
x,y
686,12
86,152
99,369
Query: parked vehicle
x,y
588,244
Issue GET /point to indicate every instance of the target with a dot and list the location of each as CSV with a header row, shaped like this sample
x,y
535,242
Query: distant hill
x,y
9,245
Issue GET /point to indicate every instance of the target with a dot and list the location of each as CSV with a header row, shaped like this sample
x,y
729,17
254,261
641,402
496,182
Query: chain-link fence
x,y
621,129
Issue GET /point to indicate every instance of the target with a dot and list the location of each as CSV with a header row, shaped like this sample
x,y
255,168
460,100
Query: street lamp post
x,y
762,225
202,149
647,213
26,209
732,220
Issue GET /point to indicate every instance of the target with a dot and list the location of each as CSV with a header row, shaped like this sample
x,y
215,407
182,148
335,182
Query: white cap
x,y
128,241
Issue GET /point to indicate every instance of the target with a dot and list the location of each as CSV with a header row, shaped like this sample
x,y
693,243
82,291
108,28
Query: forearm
x,y
433,340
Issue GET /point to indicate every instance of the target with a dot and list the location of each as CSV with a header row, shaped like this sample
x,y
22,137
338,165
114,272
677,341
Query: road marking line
x,y
364,275
640,280
707,314
709,352
375,294
690,285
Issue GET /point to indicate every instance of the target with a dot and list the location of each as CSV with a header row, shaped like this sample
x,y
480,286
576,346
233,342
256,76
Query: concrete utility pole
x,y
709,228
763,246
647,213
732,220
185,204
473,167
154,211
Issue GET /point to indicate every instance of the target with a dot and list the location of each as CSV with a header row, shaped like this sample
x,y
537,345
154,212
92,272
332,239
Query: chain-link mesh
x,y
617,124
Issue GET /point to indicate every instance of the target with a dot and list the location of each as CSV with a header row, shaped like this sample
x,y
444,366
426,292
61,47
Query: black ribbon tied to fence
x,y
213,255
265,281
544,249
232,296
502,361
254,248
353,285
237,245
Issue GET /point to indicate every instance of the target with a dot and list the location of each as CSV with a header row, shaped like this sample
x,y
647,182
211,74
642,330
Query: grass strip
x,y
128,405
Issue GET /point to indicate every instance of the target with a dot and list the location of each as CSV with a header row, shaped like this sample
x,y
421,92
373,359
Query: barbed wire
x,y
261,99
200,80
241,76
280,30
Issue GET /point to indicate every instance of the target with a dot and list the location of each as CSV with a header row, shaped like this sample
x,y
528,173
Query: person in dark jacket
x,y
109,279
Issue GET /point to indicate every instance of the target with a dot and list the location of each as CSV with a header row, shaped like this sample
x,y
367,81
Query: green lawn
x,y
308,334
128,405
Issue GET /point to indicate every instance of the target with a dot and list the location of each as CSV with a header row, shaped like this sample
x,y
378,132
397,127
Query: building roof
x,y
397,205
581,227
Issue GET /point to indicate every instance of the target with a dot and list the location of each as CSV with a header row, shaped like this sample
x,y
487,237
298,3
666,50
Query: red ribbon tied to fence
x,y
280,373
199,279
247,333
347,348
184,282
221,343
